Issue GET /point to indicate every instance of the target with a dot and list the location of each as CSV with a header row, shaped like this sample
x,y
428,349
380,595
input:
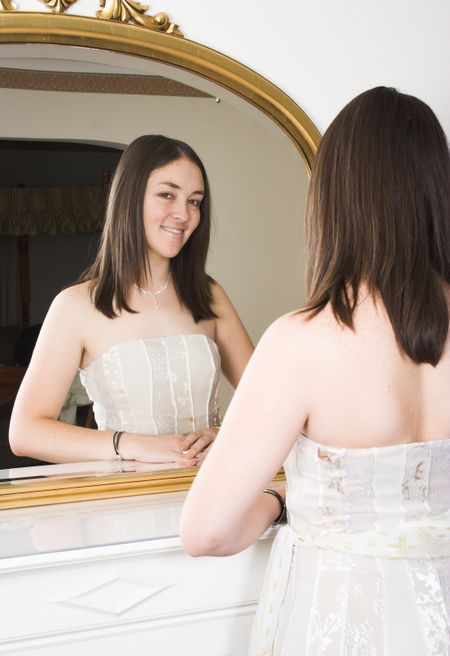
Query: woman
x,y
352,395
147,327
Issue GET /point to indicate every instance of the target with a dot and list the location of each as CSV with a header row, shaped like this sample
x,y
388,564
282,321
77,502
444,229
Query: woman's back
x,y
363,566
364,391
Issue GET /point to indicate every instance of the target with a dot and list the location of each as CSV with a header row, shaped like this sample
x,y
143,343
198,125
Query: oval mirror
x,y
75,85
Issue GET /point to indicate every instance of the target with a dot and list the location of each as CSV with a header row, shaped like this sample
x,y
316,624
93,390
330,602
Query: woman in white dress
x,y
148,329
352,394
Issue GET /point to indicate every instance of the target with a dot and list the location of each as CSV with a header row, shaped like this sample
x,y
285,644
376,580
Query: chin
x,y
168,252
174,252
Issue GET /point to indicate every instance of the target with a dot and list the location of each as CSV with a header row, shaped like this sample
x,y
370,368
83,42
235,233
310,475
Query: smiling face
x,y
172,202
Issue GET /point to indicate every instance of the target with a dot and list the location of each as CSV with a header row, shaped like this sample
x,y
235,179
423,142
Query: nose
x,y
181,212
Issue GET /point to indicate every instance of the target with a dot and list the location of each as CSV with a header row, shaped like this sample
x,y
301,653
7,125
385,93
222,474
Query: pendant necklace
x,y
159,291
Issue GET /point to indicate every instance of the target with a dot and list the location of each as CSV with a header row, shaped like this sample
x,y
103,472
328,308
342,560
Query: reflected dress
x,y
156,386
363,567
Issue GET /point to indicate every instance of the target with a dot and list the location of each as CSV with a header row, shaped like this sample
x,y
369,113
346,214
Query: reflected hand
x,y
135,466
197,444
160,449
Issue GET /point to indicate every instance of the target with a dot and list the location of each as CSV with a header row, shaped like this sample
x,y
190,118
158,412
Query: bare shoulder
x,y
66,325
72,311
223,306
296,326
73,299
297,339
221,301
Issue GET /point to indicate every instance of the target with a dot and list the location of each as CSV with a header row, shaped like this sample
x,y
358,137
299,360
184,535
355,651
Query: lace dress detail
x,y
156,386
363,568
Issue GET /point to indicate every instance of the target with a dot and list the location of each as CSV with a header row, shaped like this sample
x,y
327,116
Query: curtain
x,y
10,311
28,211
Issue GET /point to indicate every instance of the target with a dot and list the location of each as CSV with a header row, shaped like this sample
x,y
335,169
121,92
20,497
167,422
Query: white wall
x,y
323,52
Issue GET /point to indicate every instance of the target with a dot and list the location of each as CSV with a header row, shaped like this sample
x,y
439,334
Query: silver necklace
x,y
159,291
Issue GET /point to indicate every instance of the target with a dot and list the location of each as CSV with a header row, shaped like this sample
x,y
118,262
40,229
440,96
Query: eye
x,y
195,202
165,194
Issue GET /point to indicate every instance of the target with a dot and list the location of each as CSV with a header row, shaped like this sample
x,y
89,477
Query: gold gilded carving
x,y
127,11
7,5
58,6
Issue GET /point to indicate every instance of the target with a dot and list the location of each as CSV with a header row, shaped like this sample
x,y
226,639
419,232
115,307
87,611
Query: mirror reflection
x,y
257,178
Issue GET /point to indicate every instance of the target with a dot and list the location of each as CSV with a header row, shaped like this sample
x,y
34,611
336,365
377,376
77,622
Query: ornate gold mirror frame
x,y
153,38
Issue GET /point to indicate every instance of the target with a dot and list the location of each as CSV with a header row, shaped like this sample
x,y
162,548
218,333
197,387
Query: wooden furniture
x,y
10,380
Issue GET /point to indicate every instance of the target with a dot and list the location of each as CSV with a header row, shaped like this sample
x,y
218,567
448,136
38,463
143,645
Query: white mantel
x,y
110,576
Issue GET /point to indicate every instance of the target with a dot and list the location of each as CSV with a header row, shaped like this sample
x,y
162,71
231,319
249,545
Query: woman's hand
x,y
197,444
157,449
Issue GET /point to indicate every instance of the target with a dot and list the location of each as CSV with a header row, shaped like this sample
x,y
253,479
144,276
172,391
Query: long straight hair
x,y
378,214
122,260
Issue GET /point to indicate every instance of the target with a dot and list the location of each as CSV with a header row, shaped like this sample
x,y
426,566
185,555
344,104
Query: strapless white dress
x,y
363,567
156,386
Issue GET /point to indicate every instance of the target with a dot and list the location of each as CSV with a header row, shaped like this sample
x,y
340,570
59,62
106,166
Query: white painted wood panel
x,y
146,595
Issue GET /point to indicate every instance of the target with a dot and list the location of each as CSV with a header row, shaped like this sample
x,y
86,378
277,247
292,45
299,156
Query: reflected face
x,y
172,202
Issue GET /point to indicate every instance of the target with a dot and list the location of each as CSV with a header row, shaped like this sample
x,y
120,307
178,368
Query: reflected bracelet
x,y
282,517
116,439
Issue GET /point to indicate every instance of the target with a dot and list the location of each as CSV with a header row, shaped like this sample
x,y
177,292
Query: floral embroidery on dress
x,y
359,639
431,606
323,631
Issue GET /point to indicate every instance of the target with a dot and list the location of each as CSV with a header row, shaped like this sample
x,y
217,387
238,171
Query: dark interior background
x,y
54,260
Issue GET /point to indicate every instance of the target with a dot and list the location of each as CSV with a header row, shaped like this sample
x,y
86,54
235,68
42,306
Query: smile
x,y
173,231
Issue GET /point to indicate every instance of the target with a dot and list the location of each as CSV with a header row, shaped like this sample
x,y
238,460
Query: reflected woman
x,y
148,329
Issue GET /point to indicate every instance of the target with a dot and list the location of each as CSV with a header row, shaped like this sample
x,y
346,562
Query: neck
x,y
157,275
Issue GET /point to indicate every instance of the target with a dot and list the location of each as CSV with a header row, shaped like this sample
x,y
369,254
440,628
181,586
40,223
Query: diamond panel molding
x,y
118,594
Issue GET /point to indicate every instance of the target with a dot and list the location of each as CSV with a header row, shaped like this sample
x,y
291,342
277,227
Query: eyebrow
x,y
175,186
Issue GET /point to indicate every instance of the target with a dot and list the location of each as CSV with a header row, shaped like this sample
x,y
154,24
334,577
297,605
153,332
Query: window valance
x,y
51,210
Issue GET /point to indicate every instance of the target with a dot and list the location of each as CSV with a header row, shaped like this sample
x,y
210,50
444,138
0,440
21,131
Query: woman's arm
x,y
226,509
35,430
235,345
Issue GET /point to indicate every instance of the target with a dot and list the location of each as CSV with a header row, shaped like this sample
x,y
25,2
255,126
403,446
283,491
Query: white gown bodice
x,y
391,502
155,386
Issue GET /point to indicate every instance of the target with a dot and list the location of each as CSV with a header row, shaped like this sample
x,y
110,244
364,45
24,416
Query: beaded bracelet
x,y
282,517
116,439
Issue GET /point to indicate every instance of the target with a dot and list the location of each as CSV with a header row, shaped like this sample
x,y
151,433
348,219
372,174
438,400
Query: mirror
x,y
87,81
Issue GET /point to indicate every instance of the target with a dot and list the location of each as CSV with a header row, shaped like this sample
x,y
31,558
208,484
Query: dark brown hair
x,y
378,214
122,258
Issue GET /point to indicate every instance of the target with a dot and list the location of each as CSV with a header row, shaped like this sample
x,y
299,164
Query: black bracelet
x,y
282,517
116,439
